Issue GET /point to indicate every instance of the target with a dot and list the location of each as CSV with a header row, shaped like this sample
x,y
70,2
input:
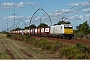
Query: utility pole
x,y
7,26
40,20
40,26
14,14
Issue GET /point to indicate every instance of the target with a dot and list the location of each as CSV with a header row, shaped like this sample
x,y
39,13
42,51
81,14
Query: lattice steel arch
x,y
36,12
22,21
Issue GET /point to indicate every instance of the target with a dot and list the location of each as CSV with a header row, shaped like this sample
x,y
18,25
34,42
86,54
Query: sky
x,y
76,11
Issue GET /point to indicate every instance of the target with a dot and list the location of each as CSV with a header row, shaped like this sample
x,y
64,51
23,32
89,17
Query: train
x,y
56,31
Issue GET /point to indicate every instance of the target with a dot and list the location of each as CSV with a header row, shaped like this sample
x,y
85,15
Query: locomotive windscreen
x,y
68,27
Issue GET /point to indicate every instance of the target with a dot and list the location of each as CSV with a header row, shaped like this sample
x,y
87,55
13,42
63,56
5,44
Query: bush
x,y
26,38
56,46
0,54
78,51
83,48
5,32
42,43
33,40
80,35
47,46
8,35
81,56
68,52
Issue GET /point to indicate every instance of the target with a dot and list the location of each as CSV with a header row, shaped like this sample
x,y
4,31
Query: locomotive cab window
x,y
61,27
68,27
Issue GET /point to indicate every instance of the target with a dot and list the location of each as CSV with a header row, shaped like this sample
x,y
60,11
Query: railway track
x,y
66,41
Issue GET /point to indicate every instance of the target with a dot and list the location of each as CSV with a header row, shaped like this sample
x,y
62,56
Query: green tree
x,y
17,28
84,28
31,26
63,22
26,27
43,25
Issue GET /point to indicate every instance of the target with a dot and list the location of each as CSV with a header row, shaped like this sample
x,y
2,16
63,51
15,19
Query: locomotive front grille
x,y
68,31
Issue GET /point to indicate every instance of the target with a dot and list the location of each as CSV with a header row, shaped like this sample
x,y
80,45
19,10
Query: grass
x,y
78,51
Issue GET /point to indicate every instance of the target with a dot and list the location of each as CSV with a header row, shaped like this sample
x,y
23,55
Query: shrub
x,y
33,40
83,48
81,56
5,32
80,35
8,35
46,47
27,38
36,43
42,42
0,54
78,51
68,52
56,46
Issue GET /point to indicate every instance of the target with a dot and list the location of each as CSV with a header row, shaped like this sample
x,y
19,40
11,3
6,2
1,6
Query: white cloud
x,y
87,17
16,18
79,4
67,10
11,5
75,17
54,14
27,20
86,10
31,3
20,5
8,18
87,4
57,13
74,4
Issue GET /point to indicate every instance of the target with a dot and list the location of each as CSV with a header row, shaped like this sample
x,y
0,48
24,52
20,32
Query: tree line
x,y
43,25
83,30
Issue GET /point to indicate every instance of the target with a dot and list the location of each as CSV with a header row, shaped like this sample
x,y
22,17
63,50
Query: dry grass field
x,y
15,49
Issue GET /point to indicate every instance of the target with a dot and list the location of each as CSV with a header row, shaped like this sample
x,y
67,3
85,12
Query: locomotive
x,y
56,31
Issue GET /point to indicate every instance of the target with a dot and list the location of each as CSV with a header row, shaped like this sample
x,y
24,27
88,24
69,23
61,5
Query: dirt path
x,y
15,49
3,53
12,49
